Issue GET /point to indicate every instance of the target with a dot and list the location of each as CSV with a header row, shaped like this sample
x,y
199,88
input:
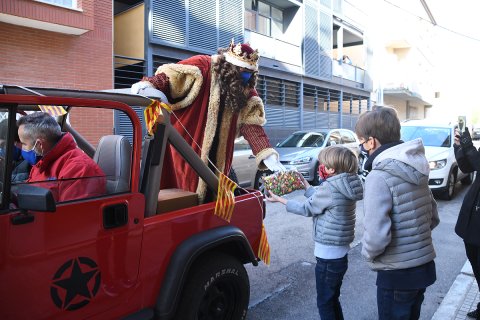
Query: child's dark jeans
x,y
329,276
399,304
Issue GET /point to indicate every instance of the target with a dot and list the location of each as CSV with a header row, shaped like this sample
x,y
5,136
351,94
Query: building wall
x,y
34,57
130,33
399,104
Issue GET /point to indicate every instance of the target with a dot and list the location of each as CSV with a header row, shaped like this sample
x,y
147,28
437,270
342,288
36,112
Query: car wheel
x,y
468,179
316,177
232,175
259,181
447,193
217,288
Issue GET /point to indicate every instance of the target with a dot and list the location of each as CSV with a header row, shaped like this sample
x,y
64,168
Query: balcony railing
x,y
348,71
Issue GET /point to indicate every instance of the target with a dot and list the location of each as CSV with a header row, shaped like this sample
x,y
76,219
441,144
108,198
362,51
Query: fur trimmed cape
x,y
194,94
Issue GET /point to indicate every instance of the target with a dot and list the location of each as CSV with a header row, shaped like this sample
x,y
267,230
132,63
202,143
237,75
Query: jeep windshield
x,y
431,136
303,139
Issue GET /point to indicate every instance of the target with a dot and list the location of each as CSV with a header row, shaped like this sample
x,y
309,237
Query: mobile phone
x,y
462,123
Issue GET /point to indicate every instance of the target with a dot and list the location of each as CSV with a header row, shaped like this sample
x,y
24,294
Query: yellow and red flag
x,y
54,111
225,198
153,114
264,247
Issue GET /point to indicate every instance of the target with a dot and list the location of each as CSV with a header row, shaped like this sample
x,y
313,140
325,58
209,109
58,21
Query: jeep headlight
x,y
439,164
301,160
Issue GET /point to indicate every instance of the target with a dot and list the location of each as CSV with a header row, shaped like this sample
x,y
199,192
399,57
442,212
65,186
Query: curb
x,y
455,297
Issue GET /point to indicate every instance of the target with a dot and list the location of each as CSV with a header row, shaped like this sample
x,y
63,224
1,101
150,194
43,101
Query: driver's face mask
x,y
31,156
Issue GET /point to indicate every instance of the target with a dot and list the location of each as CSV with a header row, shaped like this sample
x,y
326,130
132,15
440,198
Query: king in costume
x,y
214,98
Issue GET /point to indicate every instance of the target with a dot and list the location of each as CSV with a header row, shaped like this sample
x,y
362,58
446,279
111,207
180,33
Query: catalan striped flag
x,y
264,247
54,111
153,114
225,198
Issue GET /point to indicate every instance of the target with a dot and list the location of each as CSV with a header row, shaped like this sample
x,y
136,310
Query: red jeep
x,y
136,252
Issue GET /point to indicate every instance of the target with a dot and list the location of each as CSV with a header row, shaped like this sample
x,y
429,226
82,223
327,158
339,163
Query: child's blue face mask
x,y
31,156
246,75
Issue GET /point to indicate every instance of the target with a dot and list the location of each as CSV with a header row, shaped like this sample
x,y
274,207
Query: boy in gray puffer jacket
x,y
400,213
332,207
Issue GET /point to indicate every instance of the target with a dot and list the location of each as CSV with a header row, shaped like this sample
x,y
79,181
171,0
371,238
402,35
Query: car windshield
x,y
303,139
431,136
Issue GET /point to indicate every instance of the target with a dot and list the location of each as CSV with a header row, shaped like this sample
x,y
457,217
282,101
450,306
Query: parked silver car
x,y
300,150
244,167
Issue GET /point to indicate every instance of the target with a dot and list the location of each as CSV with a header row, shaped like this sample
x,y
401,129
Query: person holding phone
x,y
468,222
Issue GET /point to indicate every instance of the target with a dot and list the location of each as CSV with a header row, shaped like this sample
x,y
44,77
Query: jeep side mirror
x,y
34,198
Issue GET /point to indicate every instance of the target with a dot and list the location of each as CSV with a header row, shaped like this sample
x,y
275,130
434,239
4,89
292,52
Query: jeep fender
x,y
187,253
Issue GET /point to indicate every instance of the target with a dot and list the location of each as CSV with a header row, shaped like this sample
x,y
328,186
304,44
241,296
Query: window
x,y
263,18
72,4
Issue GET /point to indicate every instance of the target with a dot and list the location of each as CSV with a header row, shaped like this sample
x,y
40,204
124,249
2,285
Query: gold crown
x,y
242,55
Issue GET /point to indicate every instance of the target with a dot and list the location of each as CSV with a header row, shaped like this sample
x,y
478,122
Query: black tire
x,y
258,180
316,177
233,175
449,190
468,179
217,288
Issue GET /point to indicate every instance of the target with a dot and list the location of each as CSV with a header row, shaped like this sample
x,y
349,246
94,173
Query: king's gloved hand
x,y
466,139
139,86
273,163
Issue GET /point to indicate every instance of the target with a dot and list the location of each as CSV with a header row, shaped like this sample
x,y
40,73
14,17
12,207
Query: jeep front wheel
x,y
217,288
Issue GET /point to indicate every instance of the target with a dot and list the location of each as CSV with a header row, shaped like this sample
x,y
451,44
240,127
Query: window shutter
x,y
123,125
311,39
202,17
325,43
230,22
169,21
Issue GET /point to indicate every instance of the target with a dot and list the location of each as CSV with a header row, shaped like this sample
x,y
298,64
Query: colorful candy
x,y
283,182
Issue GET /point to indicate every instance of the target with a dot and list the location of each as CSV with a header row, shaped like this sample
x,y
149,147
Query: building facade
x,y
404,55
60,43
303,79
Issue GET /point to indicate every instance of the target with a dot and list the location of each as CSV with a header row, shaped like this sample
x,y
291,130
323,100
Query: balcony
x,y
348,71
45,16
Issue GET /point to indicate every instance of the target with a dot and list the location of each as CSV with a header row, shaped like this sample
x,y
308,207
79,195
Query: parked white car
x,y
438,141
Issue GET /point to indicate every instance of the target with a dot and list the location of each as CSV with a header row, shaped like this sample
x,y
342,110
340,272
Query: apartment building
x,y
303,79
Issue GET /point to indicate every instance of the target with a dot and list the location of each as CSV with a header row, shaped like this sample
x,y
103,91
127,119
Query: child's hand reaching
x,y
305,182
274,198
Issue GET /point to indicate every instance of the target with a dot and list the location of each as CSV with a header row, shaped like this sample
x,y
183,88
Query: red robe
x,y
195,98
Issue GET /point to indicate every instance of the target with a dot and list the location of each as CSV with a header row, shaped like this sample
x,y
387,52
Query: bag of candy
x,y
283,182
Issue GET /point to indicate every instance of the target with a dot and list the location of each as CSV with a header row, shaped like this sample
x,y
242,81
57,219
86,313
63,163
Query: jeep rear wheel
x,y
217,288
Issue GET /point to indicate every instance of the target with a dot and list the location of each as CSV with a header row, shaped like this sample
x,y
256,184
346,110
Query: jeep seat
x,y
114,156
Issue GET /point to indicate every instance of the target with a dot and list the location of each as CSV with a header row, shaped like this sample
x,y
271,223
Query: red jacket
x,y
68,172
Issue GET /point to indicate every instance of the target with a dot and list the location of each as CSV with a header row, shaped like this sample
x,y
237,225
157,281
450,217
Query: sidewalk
x,y
462,297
